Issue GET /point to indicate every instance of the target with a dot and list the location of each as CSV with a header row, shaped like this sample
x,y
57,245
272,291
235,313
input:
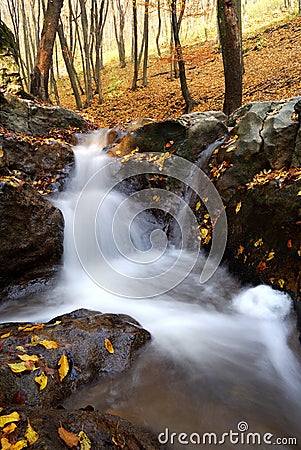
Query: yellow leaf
x,y
299,193
20,348
238,206
258,243
240,250
85,443
207,216
6,335
5,444
31,328
18,367
58,322
156,198
48,344
197,206
29,357
70,439
13,417
281,283
19,445
109,346
203,233
30,434
42,380
64,367
1,153
9,428
270,256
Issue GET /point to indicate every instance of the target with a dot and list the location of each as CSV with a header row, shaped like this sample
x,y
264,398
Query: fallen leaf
x,y
204,232
31,328
258,243
240,250
6,335
64,367
109,346
58,322
289,243
13,417
119,441
261,266
5,444
270,256
156,198
20,348
299,193
85,443
18,367
238,206
9,428
29,357
19,445
30,434
48,344
281,283
69,438
42,380
197,206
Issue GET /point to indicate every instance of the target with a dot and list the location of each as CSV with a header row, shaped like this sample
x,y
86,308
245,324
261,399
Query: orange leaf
x,y
109,346
289,243
70,439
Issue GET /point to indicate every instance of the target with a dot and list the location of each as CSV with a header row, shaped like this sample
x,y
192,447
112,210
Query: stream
x,y
223,359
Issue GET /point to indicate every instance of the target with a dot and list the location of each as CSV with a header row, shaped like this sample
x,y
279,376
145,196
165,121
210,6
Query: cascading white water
x,y
220,353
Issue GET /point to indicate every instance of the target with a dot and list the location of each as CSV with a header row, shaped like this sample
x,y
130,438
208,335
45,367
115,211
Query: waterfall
x,y
220,353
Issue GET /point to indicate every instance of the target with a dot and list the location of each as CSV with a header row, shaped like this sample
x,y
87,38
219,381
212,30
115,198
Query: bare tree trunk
x,y
86,46
119,31
40,74
135,45
146,33
190,103
159,28
231,44
69,66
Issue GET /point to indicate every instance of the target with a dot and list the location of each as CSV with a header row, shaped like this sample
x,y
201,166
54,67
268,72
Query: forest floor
x,y
272,61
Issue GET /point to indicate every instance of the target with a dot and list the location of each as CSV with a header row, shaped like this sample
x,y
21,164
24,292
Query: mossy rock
x,y
10,80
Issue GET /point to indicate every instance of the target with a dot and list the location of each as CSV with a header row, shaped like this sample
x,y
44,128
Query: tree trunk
x,y
86,45
43,62
159,29
145,59
135,45
69,66
119,31
190,103
230,37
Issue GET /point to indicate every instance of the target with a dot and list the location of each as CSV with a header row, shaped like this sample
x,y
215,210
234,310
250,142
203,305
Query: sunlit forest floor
x,y
272,61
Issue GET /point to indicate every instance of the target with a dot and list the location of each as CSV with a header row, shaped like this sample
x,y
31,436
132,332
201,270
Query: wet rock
x,y
31,235
10,80
259,184
187,137
28,117
95,345
104,431
42,162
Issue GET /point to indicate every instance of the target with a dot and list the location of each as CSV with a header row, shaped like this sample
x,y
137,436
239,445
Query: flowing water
x,y
222,357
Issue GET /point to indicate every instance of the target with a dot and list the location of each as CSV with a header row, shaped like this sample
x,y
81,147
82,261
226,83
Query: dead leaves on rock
x,y
281,177
72,440
63,367
9,442
109,346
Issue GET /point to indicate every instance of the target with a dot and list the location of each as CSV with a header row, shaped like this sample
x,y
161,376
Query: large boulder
x,y
187,136
31,234
10,80
58,430
93,345
31,118
258,175
46,163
